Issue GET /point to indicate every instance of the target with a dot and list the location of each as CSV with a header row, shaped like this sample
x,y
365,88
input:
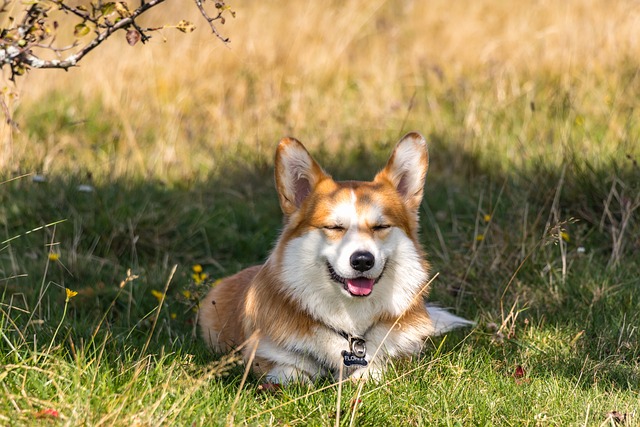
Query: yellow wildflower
x,y
198,278
487,218
159,295
565,236
173,316
54,256
186,293
480,237
197,268
70,293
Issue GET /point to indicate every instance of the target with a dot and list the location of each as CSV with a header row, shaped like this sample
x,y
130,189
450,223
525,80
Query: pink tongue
x,y
360,286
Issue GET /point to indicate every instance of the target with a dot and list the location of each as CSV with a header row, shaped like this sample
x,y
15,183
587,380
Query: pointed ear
x,y
407,169
296,174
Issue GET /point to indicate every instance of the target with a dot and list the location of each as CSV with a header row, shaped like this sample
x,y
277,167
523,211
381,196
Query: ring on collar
x,y
358,346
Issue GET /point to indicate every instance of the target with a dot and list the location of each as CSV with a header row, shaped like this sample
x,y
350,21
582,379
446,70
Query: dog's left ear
x,y
297,174
407,169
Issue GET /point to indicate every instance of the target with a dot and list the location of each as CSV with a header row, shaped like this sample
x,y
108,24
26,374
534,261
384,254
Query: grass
x,y
530,214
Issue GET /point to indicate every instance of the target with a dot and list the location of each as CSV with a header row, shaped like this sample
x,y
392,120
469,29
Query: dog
x,y
342,292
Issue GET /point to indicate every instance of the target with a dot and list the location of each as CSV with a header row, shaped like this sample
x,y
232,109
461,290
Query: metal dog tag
x,y
357,353
349,359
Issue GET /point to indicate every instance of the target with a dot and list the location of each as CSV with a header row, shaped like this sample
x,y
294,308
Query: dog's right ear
x,y
297,174
407,169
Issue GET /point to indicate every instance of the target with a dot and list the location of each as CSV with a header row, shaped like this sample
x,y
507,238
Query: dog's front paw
x,y
369,373
284,374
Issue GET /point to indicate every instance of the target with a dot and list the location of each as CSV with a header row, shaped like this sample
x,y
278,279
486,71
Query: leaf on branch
x,y
108,8
133,36
185,26
81,30
122,9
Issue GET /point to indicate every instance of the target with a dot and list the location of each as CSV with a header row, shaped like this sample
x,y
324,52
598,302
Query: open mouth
x,y
357,286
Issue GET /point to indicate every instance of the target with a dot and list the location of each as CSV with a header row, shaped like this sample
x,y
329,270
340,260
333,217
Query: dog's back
x,y
221,311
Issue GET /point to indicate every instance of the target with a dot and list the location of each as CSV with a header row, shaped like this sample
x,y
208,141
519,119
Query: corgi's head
x,y
352,241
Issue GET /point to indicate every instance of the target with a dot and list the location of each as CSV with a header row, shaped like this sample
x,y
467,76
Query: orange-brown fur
x,y
256,303
223,308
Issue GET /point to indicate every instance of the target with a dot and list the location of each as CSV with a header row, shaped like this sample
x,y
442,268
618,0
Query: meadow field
x,y
136,180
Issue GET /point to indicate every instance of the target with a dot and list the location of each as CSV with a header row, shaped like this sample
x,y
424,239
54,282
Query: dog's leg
x,y
370,373
286,374
282,365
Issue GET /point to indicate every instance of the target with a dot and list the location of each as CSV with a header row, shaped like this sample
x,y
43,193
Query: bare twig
x,y
84,15
56,50
210,20
143,37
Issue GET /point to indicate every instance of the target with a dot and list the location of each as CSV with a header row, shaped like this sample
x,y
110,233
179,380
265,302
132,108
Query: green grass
x,y
574,332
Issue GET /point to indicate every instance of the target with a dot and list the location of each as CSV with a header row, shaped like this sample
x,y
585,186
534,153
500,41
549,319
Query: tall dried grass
x,y
525,79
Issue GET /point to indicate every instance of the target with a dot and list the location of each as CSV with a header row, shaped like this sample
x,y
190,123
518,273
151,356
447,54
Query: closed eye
x,y
380,227
334,227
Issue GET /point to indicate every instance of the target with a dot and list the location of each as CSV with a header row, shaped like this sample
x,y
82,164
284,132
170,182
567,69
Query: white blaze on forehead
x,y
355,218
346,213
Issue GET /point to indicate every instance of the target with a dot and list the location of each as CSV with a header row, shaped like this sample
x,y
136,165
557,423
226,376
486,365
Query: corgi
x,y
342,292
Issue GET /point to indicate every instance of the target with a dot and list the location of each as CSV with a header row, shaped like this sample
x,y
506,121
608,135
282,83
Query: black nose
x,y
362,260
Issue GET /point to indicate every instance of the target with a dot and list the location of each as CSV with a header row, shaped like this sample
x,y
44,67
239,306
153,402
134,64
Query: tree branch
x,y
10,53
77,12
21,44
210,20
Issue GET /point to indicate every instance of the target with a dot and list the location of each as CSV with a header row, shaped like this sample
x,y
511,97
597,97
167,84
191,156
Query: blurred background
x,y
508,83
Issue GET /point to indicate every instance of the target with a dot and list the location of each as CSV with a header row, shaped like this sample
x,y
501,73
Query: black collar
x,y
357,347
346,335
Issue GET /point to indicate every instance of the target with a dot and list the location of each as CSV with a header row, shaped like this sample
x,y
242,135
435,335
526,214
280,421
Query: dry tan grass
x,y
343,71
